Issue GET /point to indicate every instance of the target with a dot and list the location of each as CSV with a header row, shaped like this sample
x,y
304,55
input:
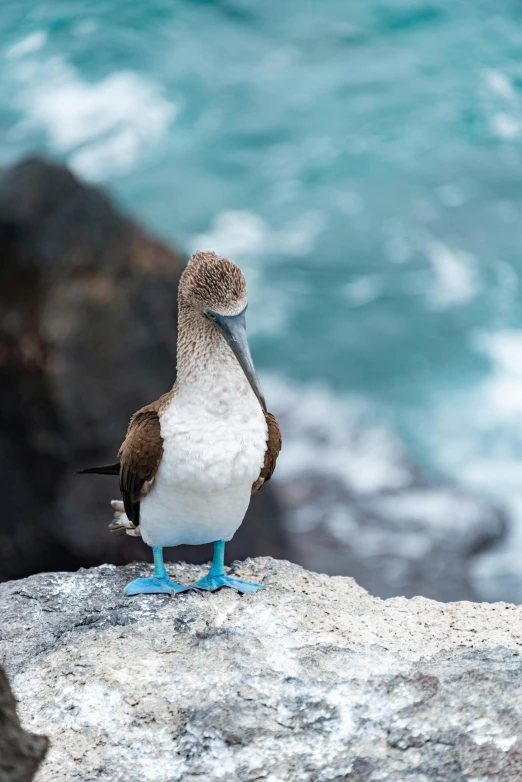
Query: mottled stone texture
x,y
88,313
310,679
20,752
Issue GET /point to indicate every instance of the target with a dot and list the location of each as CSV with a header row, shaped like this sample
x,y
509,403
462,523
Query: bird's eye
x,y
210,315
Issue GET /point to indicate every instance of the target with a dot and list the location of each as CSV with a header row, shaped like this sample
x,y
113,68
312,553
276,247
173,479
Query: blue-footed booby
x,y
192,459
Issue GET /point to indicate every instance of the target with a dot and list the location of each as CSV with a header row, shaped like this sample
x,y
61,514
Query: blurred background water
x,y
360,159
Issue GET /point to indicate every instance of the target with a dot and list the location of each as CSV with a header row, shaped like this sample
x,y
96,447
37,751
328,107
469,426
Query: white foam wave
x,y
455,274
103,127
333,436
242,235
505,126
28,45
477,438
234,233
363,290
352,498
502,391
478,433
499,83
502,106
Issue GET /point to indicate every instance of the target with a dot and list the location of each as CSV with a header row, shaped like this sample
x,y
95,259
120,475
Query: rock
x,y
310,679
20,753
356,505
87,336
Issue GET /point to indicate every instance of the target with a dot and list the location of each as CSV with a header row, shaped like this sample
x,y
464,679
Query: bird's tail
x,y
107,469
121,524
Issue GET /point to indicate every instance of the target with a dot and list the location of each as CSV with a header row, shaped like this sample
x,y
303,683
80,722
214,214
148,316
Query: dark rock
x,y
87,336
20,752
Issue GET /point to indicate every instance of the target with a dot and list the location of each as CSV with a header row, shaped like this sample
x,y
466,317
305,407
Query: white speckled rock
x,y
311,679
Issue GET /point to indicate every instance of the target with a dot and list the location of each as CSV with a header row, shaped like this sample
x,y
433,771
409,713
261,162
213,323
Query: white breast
x,y
213,451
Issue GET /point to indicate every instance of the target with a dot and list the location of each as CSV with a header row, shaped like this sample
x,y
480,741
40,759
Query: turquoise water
x,y
360,159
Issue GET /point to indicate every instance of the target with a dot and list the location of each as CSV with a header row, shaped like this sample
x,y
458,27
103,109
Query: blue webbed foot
x,y
154,586
212,583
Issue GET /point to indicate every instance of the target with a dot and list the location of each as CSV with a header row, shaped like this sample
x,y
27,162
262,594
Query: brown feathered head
x,y
216,289
211,282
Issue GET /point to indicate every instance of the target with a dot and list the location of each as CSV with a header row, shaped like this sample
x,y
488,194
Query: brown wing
x,y
273,446
140,456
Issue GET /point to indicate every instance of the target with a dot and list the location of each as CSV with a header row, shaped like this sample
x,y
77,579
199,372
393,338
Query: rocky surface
x,y
20,752
310,679
88,314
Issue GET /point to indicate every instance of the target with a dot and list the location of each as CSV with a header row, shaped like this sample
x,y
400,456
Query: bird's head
x,y
211,283
214,289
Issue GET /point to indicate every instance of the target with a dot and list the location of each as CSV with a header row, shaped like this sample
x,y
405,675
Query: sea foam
x,y
101,128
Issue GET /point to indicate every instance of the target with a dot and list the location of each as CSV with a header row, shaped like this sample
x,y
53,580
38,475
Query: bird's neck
x,y
207,369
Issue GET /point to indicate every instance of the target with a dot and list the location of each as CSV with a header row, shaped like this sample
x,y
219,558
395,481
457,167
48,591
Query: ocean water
x,y
362,161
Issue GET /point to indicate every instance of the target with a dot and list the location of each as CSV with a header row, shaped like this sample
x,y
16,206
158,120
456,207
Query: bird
x,y
192,459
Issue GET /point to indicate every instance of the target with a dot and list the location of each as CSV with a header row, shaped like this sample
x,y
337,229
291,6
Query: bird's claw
x,y
154,586
211,583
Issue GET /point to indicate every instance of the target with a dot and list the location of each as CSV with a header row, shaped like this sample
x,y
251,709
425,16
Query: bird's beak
x,y
233,328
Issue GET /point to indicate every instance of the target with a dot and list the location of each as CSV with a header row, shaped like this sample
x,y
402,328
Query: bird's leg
x,y
217,578
159,584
